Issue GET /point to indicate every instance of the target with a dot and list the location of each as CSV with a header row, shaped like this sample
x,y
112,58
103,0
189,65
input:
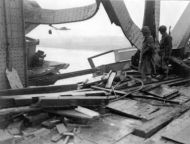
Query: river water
x,y
77,60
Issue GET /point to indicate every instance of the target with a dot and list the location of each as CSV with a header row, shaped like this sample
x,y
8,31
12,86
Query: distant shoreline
x,y
86,43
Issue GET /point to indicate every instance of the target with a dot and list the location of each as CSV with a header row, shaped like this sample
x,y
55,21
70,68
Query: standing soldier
x,y
165,49
147,66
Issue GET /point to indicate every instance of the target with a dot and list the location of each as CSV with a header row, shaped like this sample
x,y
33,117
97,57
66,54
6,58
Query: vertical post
x,y
24,46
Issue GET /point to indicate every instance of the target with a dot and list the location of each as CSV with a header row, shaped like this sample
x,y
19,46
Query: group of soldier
x,y
154,56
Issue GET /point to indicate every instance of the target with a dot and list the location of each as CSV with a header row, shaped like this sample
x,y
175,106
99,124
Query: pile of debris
x,y
89,112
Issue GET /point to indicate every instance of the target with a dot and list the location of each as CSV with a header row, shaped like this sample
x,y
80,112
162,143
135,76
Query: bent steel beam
x,y
181,31
119,15
35,15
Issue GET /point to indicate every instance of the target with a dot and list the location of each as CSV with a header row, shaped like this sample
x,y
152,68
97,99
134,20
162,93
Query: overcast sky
x,y
100,25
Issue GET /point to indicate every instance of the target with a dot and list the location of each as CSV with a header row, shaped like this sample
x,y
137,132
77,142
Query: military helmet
x,y
145,30
162,28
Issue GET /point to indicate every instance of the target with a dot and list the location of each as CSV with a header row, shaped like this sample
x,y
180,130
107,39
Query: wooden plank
x,y
131,139
17,110
162,91
105,131
151,127
61,128
110,80
178,130
88,112
39,90
15,127
14,79
73,101
54,78
182,136
71,114
133,109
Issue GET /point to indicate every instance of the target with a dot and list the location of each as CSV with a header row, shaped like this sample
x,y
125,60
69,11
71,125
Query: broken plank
x,y
18,110
133,109
149,128
73,101
70,114
180,137
88,112
95,80
37,118
162,91
61,128
39,90
109,90
130,139
110,80
105,131
85,93
56,137
15,127
178,130
50,123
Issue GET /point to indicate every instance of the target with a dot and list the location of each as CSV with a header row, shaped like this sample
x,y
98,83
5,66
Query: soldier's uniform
x,y
147,66
165,51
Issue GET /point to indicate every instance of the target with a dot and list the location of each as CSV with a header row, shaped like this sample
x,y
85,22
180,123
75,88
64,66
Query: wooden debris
x,y
61,128
41,132
39,90
133,109
56,138
68,136
15,127
50,123
105,131
37,118
162,91
17,110
14,79
109,90
5,136
110,80
71,114
35,138
68,101
85,93
130,139
95,80
151,127
87,112
180,137
178,130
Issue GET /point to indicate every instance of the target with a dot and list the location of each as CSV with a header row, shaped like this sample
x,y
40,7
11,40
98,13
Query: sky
x,y
100,25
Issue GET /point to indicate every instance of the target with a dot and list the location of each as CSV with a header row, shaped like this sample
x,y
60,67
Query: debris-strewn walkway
x,y
115,108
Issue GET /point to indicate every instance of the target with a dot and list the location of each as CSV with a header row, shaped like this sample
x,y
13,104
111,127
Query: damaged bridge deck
x,y
100,112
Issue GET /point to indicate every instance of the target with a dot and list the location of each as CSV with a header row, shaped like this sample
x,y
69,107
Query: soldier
x,y
165,49
147,66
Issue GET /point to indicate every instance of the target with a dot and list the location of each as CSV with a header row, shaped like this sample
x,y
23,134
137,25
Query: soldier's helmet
x,y
146,30
162,28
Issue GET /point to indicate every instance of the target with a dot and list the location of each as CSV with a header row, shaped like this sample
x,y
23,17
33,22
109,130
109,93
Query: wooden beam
x,y
149,128
39,90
